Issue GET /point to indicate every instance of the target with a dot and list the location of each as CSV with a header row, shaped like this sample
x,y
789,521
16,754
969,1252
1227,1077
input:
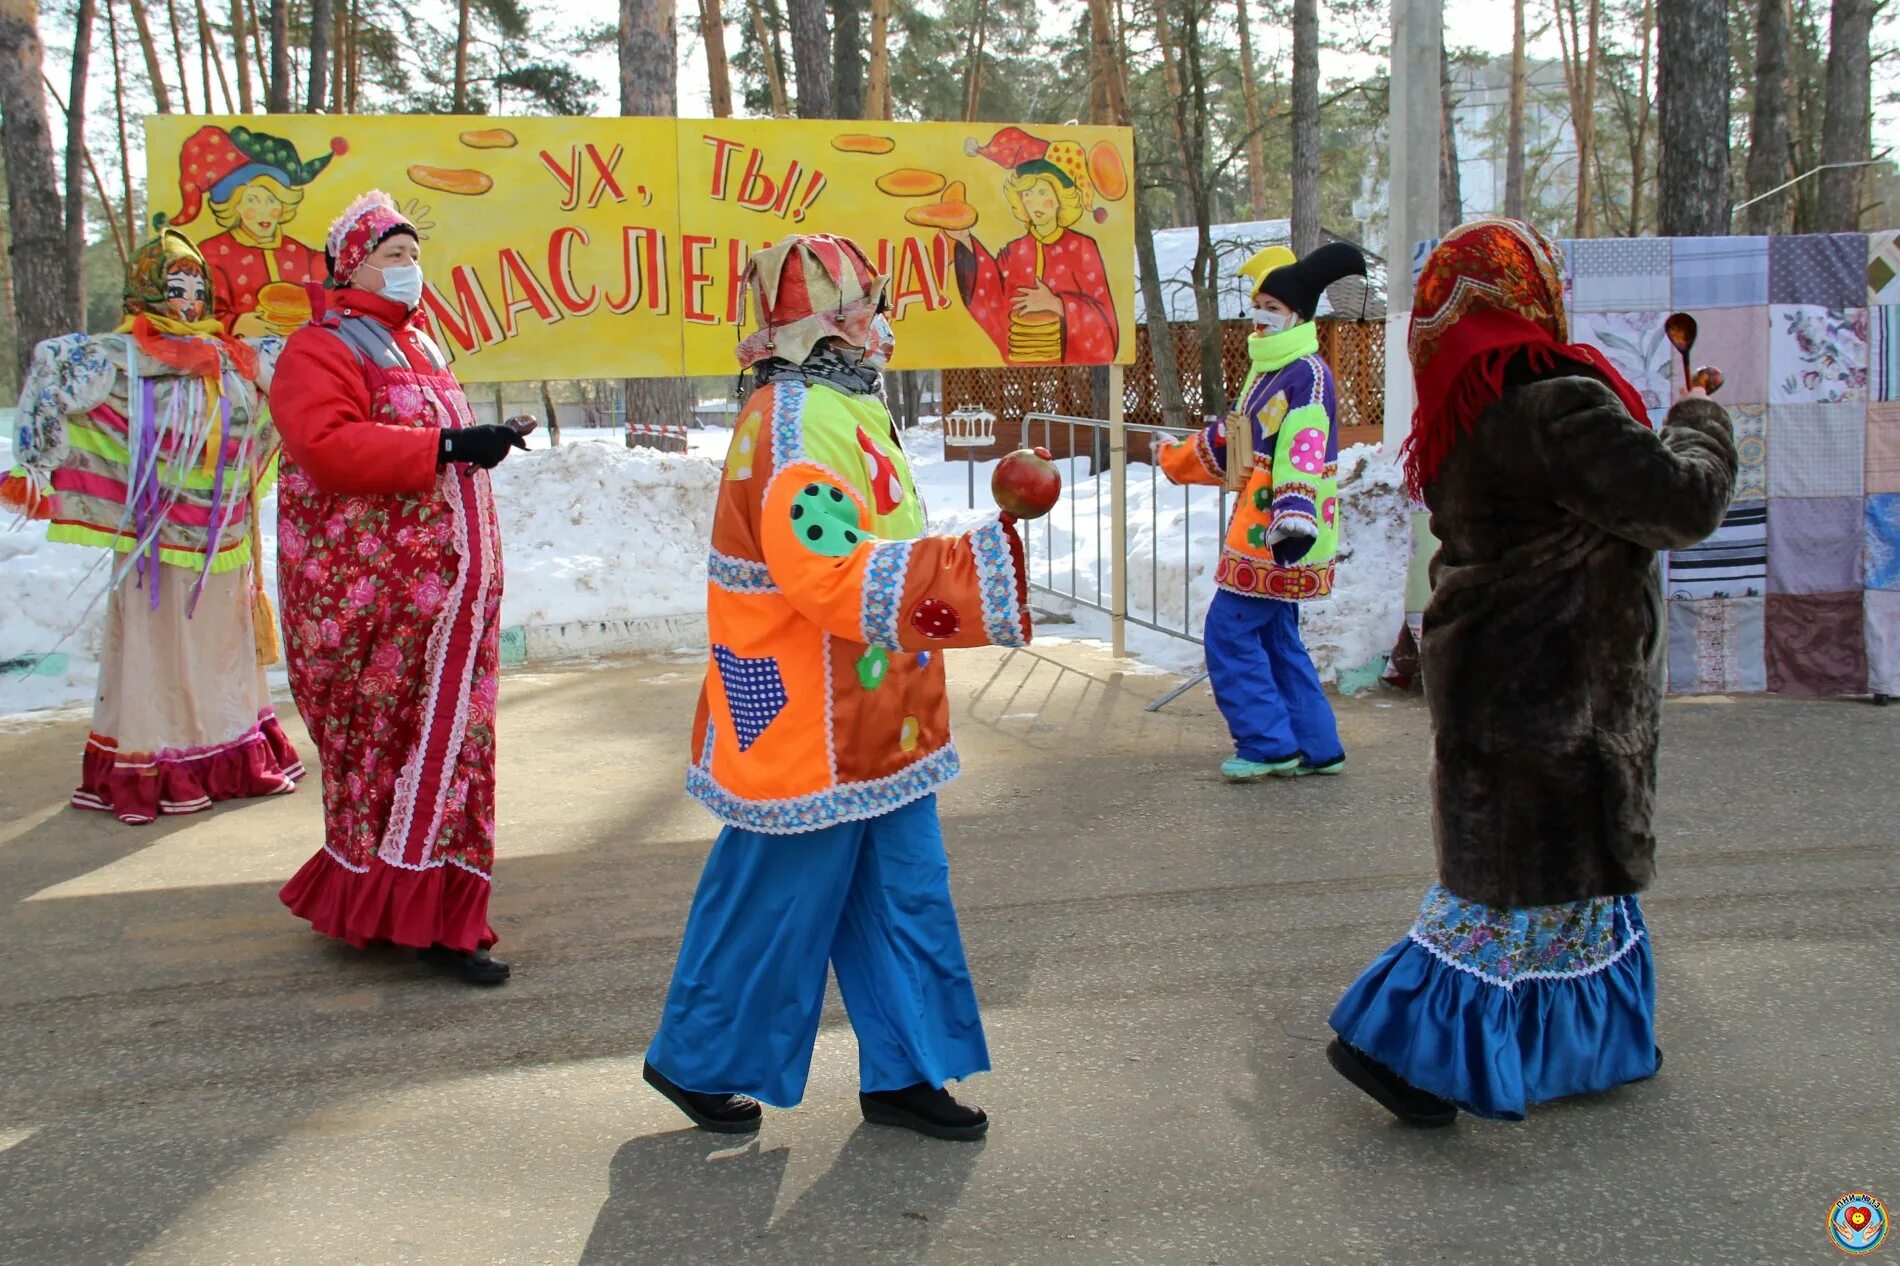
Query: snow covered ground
x,y
595,531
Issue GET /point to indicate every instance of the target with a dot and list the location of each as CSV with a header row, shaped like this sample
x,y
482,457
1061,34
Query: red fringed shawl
x,y
1490,291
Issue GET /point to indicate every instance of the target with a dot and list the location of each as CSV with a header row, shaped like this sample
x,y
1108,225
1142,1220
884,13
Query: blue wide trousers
x,y
1264,681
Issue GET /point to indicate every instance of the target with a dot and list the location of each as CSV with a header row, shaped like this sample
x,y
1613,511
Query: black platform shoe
x,y
721,1114
926,1109
477,967
1396,1095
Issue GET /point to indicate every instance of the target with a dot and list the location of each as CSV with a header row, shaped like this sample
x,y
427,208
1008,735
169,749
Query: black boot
x,y
721,1114
1396,1095
477,968
926,1109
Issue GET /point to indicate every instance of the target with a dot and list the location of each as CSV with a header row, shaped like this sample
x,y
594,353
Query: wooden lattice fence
x,y
1354,349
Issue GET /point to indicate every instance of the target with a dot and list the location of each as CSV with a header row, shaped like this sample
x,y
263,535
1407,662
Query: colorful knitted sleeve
x,y
1299,455
1200,458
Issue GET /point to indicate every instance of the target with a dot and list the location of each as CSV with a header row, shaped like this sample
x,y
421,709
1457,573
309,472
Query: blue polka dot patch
x,y
754,692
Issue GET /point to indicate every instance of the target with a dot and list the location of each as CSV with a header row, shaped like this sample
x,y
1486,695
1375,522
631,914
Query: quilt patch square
x,y
1735,340
1828,269
1883,267
1883,448
1750,422
1883,352
1621,274
1816,450
1883,641
1635,343
1817,355
1720,272
1816,644
1883,541
1814,545
1716,647
1732,563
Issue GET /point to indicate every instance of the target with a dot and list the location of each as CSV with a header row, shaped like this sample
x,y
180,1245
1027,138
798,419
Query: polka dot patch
x,y
1309,451
1329,511
755,693
873,666
936,619
826,521
908,734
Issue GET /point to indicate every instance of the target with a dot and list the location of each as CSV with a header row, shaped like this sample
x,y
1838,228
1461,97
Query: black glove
x,y
1291,549
482,446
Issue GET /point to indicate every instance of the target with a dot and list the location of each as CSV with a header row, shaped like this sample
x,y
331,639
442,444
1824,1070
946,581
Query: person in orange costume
x,y
823,731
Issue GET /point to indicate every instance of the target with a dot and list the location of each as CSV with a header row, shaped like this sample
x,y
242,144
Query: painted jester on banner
x,y
152,443
1044,297
253,185
389,563
823,731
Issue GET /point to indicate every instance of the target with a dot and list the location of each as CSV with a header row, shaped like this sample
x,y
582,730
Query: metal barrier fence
x,y
1071,551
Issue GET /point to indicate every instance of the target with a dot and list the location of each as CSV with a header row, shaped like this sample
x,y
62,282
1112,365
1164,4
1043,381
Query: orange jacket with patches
x,y
828,613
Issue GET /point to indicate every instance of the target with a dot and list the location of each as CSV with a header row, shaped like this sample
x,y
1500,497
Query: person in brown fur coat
x,y
1527,975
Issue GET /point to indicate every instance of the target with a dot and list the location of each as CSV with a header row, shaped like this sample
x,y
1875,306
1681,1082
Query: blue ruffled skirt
x,y
1497,1009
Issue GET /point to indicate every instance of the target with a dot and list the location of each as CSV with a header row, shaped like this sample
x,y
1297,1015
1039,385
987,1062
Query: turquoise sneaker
x,y
1239,769
1330,769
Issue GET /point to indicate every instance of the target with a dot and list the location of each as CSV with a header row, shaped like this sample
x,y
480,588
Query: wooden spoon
x,y
1681,329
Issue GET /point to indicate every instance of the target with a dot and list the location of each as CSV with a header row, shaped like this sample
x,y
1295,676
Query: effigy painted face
x,y
186,296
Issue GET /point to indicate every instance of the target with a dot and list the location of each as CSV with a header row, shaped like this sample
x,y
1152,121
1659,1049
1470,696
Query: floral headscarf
x,y
1491,290
362,227
153,264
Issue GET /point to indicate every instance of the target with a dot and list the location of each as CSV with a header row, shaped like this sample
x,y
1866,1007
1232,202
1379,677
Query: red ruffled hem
x,y
137,788
444,905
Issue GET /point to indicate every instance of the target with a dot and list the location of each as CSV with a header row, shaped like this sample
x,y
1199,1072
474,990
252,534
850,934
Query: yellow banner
x,y
613,248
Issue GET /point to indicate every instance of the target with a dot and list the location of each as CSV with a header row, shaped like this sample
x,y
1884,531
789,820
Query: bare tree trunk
x,y
649,86
356,56
1250,98
240,32
153,69
461,56
77,158
774,73
1160,331
118,105
178,56
1451,199
1191,120
1514,137
712,32
1639,153
811,57
847,58
322,19
1846,130
973,74
553,415
279,55
339,56
41,305
877,103
1587,143
1692,82
1306,229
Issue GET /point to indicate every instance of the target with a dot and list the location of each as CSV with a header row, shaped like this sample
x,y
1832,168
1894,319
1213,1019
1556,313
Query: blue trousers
x,y
1264,681
872,899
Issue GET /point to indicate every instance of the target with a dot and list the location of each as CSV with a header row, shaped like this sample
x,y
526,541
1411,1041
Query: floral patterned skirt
x,y
1496,1009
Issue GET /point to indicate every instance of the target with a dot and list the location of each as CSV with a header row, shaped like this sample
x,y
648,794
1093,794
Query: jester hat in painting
x,y
806,288
1065,162
364,225
215,163
153,264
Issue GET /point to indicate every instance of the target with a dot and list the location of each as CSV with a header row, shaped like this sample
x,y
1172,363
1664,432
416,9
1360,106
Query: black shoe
x,y
477,968
1396,1095
721,1114
926,1109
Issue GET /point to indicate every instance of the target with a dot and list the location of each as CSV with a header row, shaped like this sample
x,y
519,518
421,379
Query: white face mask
x,y
402,283
883,344
1270,322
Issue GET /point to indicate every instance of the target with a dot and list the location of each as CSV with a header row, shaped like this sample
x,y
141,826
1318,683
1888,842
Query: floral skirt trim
x,y
442,905
139,787
1498,1009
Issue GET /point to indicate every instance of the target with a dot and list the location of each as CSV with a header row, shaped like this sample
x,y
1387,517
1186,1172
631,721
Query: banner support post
x,y
1118,514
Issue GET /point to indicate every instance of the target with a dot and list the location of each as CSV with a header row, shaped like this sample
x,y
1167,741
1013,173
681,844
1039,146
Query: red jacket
x,y
320,400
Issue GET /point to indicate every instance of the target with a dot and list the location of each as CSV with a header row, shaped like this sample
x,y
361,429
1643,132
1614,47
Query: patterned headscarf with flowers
x,y
1491,291
364,225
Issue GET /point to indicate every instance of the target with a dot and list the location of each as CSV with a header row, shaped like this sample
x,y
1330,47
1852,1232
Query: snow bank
x,y
597,532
